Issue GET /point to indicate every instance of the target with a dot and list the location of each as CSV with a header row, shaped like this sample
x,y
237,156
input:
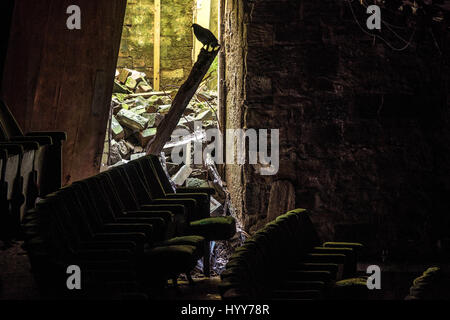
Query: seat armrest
x,y
55,135
42,140
113,245
188,202
166,215
146,229
354,245
26,145
173,208
209,191
102,254
181,196
136,237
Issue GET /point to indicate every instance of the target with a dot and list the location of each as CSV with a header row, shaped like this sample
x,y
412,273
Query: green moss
x,y
176,38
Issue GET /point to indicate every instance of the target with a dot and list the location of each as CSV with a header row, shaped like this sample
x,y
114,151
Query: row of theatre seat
x,y
286,261
30,167
127,230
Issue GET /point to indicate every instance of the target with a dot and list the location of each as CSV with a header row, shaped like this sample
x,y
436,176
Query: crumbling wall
x,y
363,135
136,49
235,51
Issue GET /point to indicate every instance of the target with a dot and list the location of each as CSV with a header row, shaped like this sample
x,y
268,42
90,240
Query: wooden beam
x,y
203,18
221,90
181,101
149,94
157,46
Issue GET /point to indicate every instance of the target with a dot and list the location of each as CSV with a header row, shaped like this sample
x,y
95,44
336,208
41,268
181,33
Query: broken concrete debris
x,y
146,135
131,120
137,111
117,129
180,177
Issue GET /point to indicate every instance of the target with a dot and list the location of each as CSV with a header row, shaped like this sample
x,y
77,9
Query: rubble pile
x,y
137,110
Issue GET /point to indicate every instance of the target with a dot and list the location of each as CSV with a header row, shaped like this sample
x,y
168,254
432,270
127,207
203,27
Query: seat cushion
x,y
351,289
196,241
214,228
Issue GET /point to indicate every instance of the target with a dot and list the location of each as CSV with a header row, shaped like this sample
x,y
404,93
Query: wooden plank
x,y
149,94
221,90
203,18
6,14
157,46
181,100
55,75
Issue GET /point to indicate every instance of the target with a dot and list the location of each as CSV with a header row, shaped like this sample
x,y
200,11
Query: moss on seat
x,y
351,289
352,282
193,240
353,245
196,241
214,228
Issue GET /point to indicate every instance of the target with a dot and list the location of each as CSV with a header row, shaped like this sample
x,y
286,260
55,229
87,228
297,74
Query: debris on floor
x,y
136,112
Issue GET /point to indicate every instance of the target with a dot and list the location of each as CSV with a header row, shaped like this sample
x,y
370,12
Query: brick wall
x,y
363,128
136,50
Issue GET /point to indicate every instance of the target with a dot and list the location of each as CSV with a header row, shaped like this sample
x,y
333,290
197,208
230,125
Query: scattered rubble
x,y
137,111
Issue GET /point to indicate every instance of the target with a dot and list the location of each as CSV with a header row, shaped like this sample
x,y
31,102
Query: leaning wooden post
x,y
181,101
157,46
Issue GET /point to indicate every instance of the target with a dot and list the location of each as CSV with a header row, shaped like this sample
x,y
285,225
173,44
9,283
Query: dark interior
x,y
364,158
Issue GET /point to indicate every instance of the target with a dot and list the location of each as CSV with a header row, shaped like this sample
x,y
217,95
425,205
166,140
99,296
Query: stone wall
x,y
136,50
235,48
363,128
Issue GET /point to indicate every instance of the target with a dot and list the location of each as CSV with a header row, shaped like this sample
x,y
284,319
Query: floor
x,y
16,281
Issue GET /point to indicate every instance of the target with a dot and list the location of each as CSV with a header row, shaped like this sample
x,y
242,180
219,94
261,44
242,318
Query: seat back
x,y
99,199
259,267
136,182
120,182
153,181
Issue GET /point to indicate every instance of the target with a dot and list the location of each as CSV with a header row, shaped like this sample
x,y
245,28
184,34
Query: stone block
x,y
139,110
118,88
146,135
205,116
131,120
137,156
123,75
131,83
117,129
154,119
164,109
143,87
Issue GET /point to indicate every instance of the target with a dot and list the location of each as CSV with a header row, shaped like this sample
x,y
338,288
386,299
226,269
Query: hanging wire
x,y
408,43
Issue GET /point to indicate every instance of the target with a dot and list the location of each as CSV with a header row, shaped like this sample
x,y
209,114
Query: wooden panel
x,y
56,90
203,18
6,13
157,46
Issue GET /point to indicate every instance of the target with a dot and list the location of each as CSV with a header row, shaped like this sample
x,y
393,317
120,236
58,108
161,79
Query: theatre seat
x,y
214,228
47,161
149,170
38,167
285,260
58,235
